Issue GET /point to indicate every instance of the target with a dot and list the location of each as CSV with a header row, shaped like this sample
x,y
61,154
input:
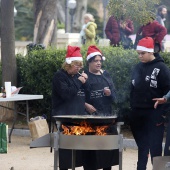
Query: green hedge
x,y
36,71
35,74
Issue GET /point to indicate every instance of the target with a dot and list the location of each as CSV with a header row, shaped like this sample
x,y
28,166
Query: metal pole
x,y
73,159
56,146
104,22
105,3
66,16
71,12
14,121
71,24
120,151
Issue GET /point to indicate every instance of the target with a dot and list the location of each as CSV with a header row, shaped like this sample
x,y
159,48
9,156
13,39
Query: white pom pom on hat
x,y
92,51
73,54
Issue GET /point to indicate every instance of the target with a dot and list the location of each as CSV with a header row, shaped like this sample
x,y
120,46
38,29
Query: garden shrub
x,y
35,73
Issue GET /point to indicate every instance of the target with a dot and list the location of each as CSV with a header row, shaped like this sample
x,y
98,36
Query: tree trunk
x,y
45,29
81,9
9,69
61,11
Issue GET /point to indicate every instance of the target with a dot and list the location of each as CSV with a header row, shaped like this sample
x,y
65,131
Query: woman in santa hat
x,y
99,98
150,79
68,97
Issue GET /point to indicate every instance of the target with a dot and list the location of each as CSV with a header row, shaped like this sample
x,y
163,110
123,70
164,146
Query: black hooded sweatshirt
x,y
68,97
149,80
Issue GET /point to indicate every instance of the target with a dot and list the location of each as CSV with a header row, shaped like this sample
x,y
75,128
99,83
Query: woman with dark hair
x,y
99,98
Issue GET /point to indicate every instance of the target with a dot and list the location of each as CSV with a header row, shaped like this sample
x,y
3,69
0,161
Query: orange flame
x,y
83,128
101,130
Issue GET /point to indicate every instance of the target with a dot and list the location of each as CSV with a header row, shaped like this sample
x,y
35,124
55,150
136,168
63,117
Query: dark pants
x,y
167,142
148,128
101,159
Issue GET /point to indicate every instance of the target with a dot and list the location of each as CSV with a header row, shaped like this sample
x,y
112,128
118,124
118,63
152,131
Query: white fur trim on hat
x,y
70,59
145,49
93,54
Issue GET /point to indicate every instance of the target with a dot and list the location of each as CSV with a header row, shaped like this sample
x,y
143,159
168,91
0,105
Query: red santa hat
x,y
92,51
73,54
146,44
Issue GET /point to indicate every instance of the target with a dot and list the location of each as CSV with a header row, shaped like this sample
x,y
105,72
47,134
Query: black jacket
x,y
149,80
68,97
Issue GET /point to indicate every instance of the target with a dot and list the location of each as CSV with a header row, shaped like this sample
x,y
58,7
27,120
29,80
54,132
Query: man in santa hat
x,y
68,97
150,79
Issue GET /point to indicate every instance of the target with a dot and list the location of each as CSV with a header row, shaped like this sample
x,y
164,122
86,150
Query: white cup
x,y
8,89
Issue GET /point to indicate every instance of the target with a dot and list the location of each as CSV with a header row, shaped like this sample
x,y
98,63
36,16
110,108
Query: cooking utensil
x,y
89,118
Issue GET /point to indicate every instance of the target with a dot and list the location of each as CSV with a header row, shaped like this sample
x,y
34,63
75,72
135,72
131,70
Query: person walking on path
x,y
161,17
150,79
88,32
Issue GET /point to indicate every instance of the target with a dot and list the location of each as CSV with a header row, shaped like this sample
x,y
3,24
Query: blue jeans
x,y
147,128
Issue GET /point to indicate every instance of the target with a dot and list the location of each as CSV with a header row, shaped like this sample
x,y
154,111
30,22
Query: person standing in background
x,y
152,29
161,17
114,27
150,79
88,32
162,100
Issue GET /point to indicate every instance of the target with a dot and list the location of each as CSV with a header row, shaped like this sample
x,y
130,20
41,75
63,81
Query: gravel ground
x,y
21,157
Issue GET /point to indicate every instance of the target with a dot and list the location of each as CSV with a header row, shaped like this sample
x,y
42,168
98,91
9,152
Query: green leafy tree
x,y
141,11
24,20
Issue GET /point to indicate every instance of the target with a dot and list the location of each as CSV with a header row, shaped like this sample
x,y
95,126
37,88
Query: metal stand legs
x,y
15,118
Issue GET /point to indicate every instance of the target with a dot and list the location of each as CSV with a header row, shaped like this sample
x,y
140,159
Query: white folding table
x,y
17,98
